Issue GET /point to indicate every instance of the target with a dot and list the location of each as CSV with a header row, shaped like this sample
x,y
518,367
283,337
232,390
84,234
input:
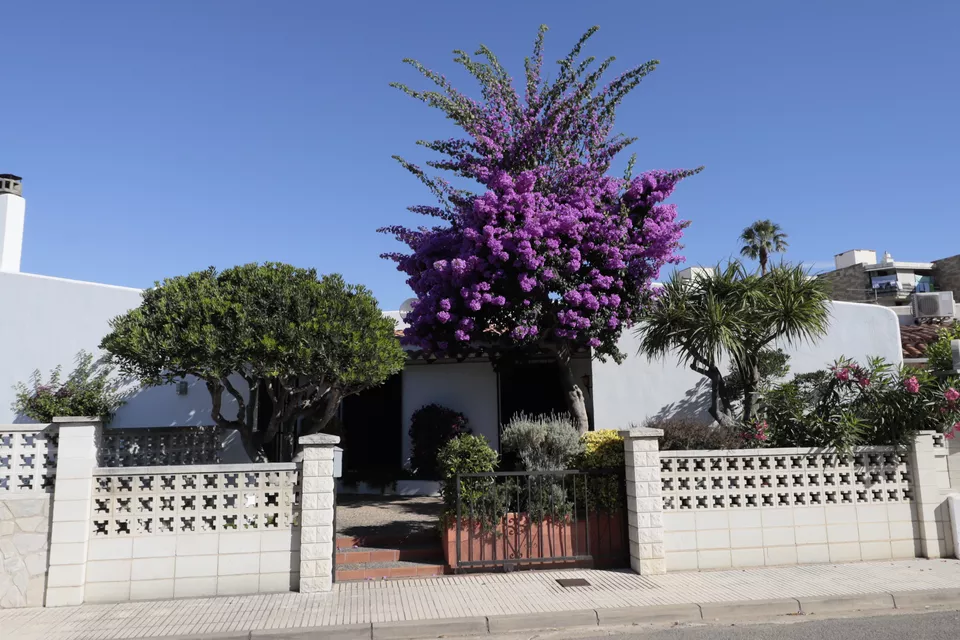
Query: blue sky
x,y
156,138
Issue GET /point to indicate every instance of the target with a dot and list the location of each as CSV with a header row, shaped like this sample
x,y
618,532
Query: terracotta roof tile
x,y
915,338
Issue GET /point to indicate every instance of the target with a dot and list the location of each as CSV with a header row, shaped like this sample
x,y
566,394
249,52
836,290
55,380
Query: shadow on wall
x,y
693,406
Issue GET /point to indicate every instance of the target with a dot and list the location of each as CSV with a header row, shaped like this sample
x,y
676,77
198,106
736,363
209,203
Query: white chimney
x,y
12,209
854,256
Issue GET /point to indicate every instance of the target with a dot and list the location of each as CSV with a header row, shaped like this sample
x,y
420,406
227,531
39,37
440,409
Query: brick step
x,y
386,570
389,541
362,555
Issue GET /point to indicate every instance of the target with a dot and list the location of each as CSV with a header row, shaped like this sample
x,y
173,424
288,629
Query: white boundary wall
x,y
697,510
625,395
146,533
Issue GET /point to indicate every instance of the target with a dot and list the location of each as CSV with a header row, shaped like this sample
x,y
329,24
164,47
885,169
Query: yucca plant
x,y
732,313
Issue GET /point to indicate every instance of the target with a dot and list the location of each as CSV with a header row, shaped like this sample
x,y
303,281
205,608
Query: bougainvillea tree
x,y
552,252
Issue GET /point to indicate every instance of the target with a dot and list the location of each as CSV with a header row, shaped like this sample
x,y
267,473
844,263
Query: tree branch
x,y
241,403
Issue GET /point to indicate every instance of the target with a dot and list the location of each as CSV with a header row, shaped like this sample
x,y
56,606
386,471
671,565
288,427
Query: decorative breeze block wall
x,y
164,532
160,446
744,508
28,458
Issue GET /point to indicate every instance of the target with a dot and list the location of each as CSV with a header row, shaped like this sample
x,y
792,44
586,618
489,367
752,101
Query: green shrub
x,y
543,443
431,427
851,405
89,390
602,449
940,354
685,434
466,454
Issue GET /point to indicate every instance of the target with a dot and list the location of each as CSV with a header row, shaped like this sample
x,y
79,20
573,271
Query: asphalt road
x,y
924,626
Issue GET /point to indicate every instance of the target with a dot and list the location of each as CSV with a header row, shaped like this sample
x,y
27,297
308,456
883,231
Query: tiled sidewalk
x,y
467,596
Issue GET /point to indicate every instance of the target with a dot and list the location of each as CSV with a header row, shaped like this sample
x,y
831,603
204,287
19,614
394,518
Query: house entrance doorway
x,y
372,428
532,388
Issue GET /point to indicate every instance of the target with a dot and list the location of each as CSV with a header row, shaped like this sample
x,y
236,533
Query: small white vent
x,y
933,305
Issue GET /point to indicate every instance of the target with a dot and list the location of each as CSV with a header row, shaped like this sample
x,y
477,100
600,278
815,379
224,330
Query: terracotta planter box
x,y
539,544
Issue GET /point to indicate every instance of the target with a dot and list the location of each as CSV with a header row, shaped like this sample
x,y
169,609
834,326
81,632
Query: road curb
x,y
340,632
742,611
847,604
929,599
477,626
546,620
749,609
671,613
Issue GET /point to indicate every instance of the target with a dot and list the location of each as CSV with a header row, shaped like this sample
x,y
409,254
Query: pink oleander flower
x,y
951,435
951,395
863,382
842,374
912,385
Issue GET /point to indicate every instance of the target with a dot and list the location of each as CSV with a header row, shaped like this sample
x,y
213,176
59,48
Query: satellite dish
x,y
406,307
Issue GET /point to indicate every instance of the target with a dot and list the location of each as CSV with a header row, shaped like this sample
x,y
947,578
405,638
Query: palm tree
x,y
732,313
761,239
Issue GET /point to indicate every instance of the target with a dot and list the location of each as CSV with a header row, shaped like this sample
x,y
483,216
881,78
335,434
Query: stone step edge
x,y
364,555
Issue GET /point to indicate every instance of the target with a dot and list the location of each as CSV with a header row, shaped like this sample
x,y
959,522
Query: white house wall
x,y
45,321
628,394
468,387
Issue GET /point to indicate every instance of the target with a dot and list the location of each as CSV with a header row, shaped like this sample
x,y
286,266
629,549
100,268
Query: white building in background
x,y
45,321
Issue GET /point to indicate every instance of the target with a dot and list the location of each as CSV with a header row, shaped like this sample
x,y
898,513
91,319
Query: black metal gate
x,y
541,519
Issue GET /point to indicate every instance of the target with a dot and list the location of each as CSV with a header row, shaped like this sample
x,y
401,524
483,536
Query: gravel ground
x,y
386,515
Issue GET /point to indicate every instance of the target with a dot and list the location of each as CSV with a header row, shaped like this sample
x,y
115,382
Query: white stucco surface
x,y
468,387
44,323
628,394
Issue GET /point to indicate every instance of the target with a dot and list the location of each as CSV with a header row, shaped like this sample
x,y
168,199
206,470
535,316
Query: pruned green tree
x,y
305,342
761,239
734,314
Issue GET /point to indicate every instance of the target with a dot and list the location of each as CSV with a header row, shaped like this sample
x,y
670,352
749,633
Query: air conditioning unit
x,y
933,305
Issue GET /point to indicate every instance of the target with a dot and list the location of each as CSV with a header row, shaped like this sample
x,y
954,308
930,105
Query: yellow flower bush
x,y
603,449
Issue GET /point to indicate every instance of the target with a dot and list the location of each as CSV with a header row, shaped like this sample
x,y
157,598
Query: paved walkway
x,y
468,596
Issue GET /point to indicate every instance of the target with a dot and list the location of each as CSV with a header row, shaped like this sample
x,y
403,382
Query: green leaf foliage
x,y
733,313
851,405
431,427
305,341
940,353
466,454
761,239
89,390
542,443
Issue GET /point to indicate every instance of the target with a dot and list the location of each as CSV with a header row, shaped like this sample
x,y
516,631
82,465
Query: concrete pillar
x,y
70,526
316,515
953,507
644,504
926,489
953,463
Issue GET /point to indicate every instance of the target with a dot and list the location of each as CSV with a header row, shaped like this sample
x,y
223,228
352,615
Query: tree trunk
x,y
244,429
333,399
718,395
751,382
576,403
763,261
